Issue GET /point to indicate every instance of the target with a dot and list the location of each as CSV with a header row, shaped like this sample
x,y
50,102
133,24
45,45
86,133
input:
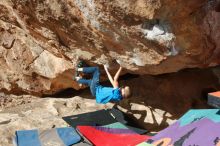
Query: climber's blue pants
x,y
94,82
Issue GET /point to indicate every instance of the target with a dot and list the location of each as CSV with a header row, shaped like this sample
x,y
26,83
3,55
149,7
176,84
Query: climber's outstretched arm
x,y
117,74
108,74
113,82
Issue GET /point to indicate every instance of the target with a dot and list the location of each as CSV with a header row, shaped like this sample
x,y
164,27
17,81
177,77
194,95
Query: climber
x,y
103,94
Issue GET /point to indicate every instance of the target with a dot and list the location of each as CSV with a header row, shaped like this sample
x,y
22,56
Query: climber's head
x,y
125,92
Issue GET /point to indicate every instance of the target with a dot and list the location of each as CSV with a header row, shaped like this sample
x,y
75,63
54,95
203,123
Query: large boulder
x,y
40,41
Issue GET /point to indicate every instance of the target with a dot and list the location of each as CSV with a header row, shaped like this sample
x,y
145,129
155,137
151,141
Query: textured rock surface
x,y
44,113
11,100
171,94
40,40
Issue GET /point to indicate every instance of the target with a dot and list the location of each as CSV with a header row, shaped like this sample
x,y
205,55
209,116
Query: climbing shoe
x,y
78,65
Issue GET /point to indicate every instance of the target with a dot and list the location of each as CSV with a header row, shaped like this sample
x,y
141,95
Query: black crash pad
x,y
100,118
97,118
122,118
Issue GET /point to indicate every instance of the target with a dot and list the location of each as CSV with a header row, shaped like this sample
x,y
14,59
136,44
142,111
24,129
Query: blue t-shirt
x,y
106,94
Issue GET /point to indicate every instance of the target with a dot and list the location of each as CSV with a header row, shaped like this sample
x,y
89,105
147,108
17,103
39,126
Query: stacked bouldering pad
x,y
214,99
100,118
107,127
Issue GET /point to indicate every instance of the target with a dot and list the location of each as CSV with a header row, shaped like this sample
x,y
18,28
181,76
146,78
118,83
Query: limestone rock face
x,y
42,114
40,41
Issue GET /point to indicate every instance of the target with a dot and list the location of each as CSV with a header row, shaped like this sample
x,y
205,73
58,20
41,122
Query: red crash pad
x,y
101,136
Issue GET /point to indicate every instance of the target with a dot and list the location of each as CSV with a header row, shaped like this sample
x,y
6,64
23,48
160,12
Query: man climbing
x,y
103,94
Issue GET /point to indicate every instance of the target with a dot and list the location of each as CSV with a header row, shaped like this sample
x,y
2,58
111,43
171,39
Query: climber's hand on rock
x,y
118,61
106,66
